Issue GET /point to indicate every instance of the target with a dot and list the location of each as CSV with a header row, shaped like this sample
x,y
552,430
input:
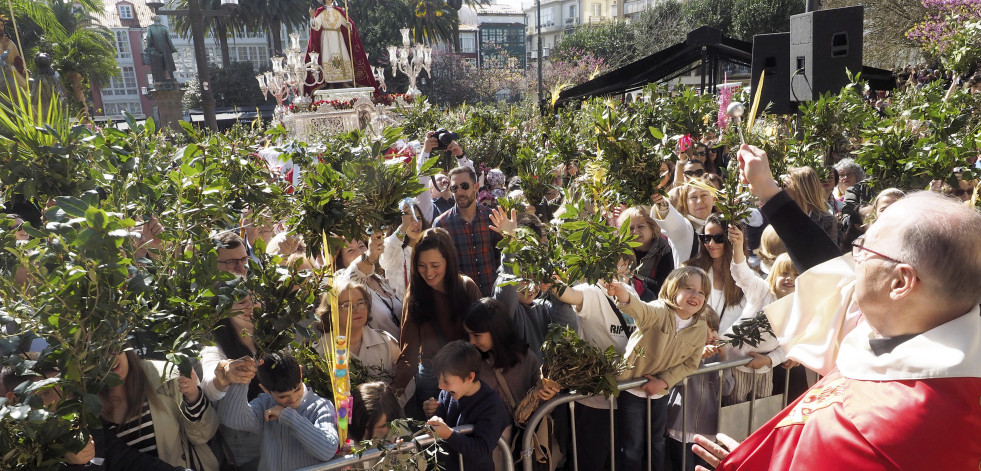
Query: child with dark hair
x,y
509,367
464,399
296,426
374,407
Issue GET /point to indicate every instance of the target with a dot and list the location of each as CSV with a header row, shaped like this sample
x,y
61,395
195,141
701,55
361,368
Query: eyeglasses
x,y
858,246
694,173
232,263
360,305
464,186
717,238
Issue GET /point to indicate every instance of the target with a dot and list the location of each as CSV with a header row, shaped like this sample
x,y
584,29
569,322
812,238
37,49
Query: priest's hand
x,y
711,452
754,169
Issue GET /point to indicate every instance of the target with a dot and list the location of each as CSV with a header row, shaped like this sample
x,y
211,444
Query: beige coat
x,y
668,354
174,432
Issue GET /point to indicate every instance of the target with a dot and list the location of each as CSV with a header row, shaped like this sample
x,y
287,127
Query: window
x,y
597,9
122,45
123,85
125,11
572,11
468,44
117,109
548,17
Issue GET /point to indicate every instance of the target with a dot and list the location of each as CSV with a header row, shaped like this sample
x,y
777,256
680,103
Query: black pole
x,y
812,5
201,58
538,26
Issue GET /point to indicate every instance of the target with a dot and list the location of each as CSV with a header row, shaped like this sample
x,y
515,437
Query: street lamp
x,y
196,16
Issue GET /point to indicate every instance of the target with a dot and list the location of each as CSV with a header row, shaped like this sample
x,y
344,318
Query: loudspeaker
x,y
771,54
823,45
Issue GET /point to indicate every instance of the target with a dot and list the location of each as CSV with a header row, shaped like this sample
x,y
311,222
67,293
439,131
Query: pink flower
x,y
685,142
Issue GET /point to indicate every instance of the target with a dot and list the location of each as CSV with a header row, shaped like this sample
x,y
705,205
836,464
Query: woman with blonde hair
x,y
882,201
654,259
770,247
759,293
695,204
804,186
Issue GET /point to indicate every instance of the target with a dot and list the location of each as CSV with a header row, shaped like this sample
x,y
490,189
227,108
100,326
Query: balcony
x,y
595,20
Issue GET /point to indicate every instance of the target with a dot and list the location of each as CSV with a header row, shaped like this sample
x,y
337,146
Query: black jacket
x,y
807,243
486,412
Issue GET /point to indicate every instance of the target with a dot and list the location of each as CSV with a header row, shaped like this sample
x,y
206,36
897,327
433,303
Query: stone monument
x,y
158,53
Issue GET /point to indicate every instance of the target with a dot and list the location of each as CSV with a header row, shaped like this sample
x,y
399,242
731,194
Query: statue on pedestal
x,y
335,42
158,53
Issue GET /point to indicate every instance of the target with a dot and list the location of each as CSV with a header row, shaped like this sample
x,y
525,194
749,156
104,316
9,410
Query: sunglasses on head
x,y
717,238
694,173
464,186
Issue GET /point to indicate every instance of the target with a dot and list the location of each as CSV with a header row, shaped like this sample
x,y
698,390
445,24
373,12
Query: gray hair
x,y
849,164
942,242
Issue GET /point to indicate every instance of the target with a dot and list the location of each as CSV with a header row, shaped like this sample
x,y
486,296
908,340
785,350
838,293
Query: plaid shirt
x,y
476,246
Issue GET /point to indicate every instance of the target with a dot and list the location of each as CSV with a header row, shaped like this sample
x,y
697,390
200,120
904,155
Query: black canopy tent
x,y
704,48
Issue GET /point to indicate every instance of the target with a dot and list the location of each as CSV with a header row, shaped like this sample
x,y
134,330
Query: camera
x,y
444,138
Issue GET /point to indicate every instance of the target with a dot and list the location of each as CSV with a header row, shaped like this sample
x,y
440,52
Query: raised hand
x,y
736,237
754,169
501,223
189,387
618,290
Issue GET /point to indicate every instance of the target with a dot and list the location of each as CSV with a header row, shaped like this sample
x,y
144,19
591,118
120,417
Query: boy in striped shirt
x,y
295,425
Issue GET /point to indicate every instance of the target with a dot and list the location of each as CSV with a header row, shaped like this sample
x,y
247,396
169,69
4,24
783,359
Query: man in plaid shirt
x,y
469,225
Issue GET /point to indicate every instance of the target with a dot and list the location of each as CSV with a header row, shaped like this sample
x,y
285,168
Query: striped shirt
x,y
300,437
138,433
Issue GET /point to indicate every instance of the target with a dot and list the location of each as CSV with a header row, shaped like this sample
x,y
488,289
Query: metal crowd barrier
x,y
354,461
752,422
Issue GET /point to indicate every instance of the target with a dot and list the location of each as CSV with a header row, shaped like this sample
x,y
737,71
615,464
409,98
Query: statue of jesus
x,y
335,42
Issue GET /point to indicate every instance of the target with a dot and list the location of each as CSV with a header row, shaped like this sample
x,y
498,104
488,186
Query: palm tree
x,y
83,52
273,15
65,29
433,21
220,27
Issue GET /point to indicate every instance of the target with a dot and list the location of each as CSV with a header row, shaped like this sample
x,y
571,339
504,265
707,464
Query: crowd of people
x,y
426,302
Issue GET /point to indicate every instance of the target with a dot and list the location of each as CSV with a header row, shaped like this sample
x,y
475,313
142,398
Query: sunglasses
x,y
463,186
694,173
717,238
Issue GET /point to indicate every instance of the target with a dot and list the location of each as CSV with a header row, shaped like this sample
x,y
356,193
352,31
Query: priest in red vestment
x,y
335,43
896,329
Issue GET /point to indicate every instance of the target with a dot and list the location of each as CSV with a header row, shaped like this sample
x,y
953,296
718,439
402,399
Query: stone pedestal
x,y
168,110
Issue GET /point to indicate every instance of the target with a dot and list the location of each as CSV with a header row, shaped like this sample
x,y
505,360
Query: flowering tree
x,y
944,18
574,67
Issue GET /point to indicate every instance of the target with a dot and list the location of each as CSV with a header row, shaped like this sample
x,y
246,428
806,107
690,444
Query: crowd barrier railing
x,y
753,415
354,462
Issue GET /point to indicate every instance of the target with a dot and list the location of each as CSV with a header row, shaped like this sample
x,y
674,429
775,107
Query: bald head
x,y
941,238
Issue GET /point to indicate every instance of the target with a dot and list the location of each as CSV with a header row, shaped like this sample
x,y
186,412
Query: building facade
x,y
128,20
559,17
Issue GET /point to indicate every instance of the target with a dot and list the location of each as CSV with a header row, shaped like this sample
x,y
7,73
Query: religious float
x,y
331,87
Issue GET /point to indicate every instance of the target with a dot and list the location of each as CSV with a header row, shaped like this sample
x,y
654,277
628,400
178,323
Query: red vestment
x,y
352,41
847,424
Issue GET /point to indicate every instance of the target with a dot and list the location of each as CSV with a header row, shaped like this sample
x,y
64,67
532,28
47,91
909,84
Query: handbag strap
x,y
504,385
616,310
